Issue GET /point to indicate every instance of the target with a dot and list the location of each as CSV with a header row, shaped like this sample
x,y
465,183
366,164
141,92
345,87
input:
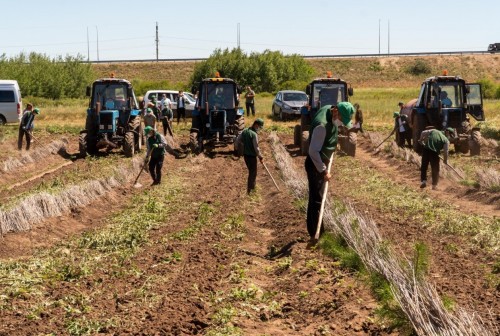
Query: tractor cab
x,y
113,118
326,91
321,92
219,118
447,102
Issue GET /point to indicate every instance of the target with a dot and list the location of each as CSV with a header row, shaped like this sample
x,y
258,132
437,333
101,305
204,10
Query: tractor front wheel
x,y
128,144
296,135
193,140
475,142
82,144
304,143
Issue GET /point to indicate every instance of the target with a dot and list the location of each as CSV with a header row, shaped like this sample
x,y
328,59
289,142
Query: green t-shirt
x,y
156,152
247,138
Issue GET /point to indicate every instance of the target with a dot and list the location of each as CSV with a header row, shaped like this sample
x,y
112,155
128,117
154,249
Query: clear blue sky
x,y
193,29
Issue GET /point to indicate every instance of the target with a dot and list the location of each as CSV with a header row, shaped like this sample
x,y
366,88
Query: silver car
x,y
287,104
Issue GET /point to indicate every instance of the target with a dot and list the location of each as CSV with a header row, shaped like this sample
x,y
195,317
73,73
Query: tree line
x,y
39,75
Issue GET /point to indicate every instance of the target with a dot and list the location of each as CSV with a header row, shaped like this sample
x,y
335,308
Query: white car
x,y
172,95
10,102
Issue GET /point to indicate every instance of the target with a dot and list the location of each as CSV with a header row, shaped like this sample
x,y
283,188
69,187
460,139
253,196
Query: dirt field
x,y
209,259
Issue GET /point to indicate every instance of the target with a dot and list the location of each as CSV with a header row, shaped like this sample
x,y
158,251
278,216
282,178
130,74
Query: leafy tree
x,y
265,72
41,76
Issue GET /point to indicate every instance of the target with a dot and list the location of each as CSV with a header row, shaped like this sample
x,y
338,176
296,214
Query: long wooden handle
x,y
323,201
271,176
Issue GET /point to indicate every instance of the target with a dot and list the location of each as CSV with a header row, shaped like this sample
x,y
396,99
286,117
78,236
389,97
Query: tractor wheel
x,y
419,123
348,143
82,144
238,150
462,146
296,135
138,139
128,144
475,142
305,123
304,143
193,141
240,123
282,116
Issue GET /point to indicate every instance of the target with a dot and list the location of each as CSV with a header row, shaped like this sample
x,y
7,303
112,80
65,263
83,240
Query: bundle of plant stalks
x,y
35,208
416,297
35,155
488,178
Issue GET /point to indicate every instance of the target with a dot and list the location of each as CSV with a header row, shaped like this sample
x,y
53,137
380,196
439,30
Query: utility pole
x,y
157,41
379,36
388,37
88,46
238,37
97,32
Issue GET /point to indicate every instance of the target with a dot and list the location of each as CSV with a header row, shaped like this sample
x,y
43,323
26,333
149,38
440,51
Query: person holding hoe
x,y
155,154
26,127
251,151
323,137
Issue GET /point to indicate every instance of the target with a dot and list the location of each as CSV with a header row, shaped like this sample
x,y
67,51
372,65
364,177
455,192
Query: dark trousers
x,y
155,165
402,137
429,156
23,133
251,162
316,183
165,124
181,112
250,106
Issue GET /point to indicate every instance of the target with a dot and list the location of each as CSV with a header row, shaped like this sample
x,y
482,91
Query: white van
x,y
172,95
10,101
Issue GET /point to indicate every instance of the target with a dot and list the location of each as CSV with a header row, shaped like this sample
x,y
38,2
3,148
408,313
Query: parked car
x,y
287,104
10,102
172,95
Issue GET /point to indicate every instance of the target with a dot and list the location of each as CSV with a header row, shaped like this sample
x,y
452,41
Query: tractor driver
x,y
109,103
217,100
445,101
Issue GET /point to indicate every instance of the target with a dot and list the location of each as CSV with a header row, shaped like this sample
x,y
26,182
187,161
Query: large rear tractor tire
x,y
296,135
475,141
419,124
240,125
128,144
304,143
82,144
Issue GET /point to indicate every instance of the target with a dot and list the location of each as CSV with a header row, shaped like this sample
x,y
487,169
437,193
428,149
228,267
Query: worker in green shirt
x,y
433,141
156,153
251,151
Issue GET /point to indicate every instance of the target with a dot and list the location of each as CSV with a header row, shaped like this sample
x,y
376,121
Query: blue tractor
x,y
113,118
217,118
321,92
447,102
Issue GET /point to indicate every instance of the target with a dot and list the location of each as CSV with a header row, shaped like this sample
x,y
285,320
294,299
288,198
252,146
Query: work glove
x,y
155,146
261,160
23,128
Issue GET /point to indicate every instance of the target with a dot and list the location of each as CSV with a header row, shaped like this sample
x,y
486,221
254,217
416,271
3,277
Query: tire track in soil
x,y
462,274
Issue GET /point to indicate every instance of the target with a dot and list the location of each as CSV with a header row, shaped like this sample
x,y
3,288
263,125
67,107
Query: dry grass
x,y
418,298
35,155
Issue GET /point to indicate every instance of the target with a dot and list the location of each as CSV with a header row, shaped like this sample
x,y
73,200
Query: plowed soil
x,y
261,272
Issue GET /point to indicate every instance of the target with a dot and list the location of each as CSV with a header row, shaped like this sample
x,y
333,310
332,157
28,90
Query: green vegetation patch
x,y
404,204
